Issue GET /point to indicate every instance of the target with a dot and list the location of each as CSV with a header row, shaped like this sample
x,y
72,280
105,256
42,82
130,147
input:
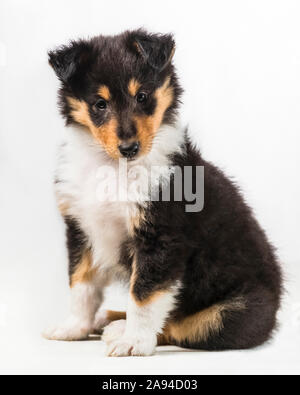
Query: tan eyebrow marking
x,y
104,92
133,86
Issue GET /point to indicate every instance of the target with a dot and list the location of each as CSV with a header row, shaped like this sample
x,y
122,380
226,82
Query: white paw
x,y
101,320
70,331
127,346
113,331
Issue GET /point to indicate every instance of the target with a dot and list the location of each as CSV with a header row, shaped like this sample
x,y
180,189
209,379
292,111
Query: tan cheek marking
x,y
106,134
104,92
84,271
147,126
80,112
200,326
164,96
133,87
146,132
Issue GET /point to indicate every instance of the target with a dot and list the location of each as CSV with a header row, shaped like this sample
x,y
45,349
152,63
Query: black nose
x,y
129,150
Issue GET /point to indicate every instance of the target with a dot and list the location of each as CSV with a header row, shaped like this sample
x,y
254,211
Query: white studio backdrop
x,y
239,62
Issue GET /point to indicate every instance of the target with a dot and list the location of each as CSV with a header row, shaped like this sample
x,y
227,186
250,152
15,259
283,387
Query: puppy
x,y
199,276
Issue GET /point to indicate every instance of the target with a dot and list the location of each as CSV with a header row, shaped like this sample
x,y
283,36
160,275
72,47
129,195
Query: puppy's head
x,y
121,88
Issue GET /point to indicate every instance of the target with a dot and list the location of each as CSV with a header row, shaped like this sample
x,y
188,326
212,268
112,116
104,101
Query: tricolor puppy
x,y
198,278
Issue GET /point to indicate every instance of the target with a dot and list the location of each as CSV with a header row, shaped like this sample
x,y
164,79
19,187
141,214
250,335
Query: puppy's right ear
x,y
68,60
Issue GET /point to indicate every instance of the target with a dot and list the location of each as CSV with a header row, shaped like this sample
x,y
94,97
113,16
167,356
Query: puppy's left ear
x,y
156,49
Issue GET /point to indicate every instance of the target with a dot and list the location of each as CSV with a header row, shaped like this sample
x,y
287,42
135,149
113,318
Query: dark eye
x,y
101,104
141,97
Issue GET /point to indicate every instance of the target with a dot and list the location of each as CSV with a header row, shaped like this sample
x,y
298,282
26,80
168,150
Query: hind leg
x,y
242,323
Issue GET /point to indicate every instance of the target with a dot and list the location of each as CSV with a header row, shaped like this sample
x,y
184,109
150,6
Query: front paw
x,y
131,346
69,331
115,330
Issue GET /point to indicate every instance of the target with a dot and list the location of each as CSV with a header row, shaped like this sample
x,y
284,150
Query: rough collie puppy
x,y
200,275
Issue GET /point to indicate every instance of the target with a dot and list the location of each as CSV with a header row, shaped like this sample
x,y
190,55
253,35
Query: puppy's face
x,y
121,88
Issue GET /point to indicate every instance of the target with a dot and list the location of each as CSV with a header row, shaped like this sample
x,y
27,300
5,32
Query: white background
x,y
239,62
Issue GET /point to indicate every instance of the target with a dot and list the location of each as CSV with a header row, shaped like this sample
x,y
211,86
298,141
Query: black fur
x,y
219,254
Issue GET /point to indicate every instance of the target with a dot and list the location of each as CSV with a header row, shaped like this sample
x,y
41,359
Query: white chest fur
x,y
106,221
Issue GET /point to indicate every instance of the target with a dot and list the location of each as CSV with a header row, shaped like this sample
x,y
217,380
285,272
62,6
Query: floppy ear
x,y
68,60
156,49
